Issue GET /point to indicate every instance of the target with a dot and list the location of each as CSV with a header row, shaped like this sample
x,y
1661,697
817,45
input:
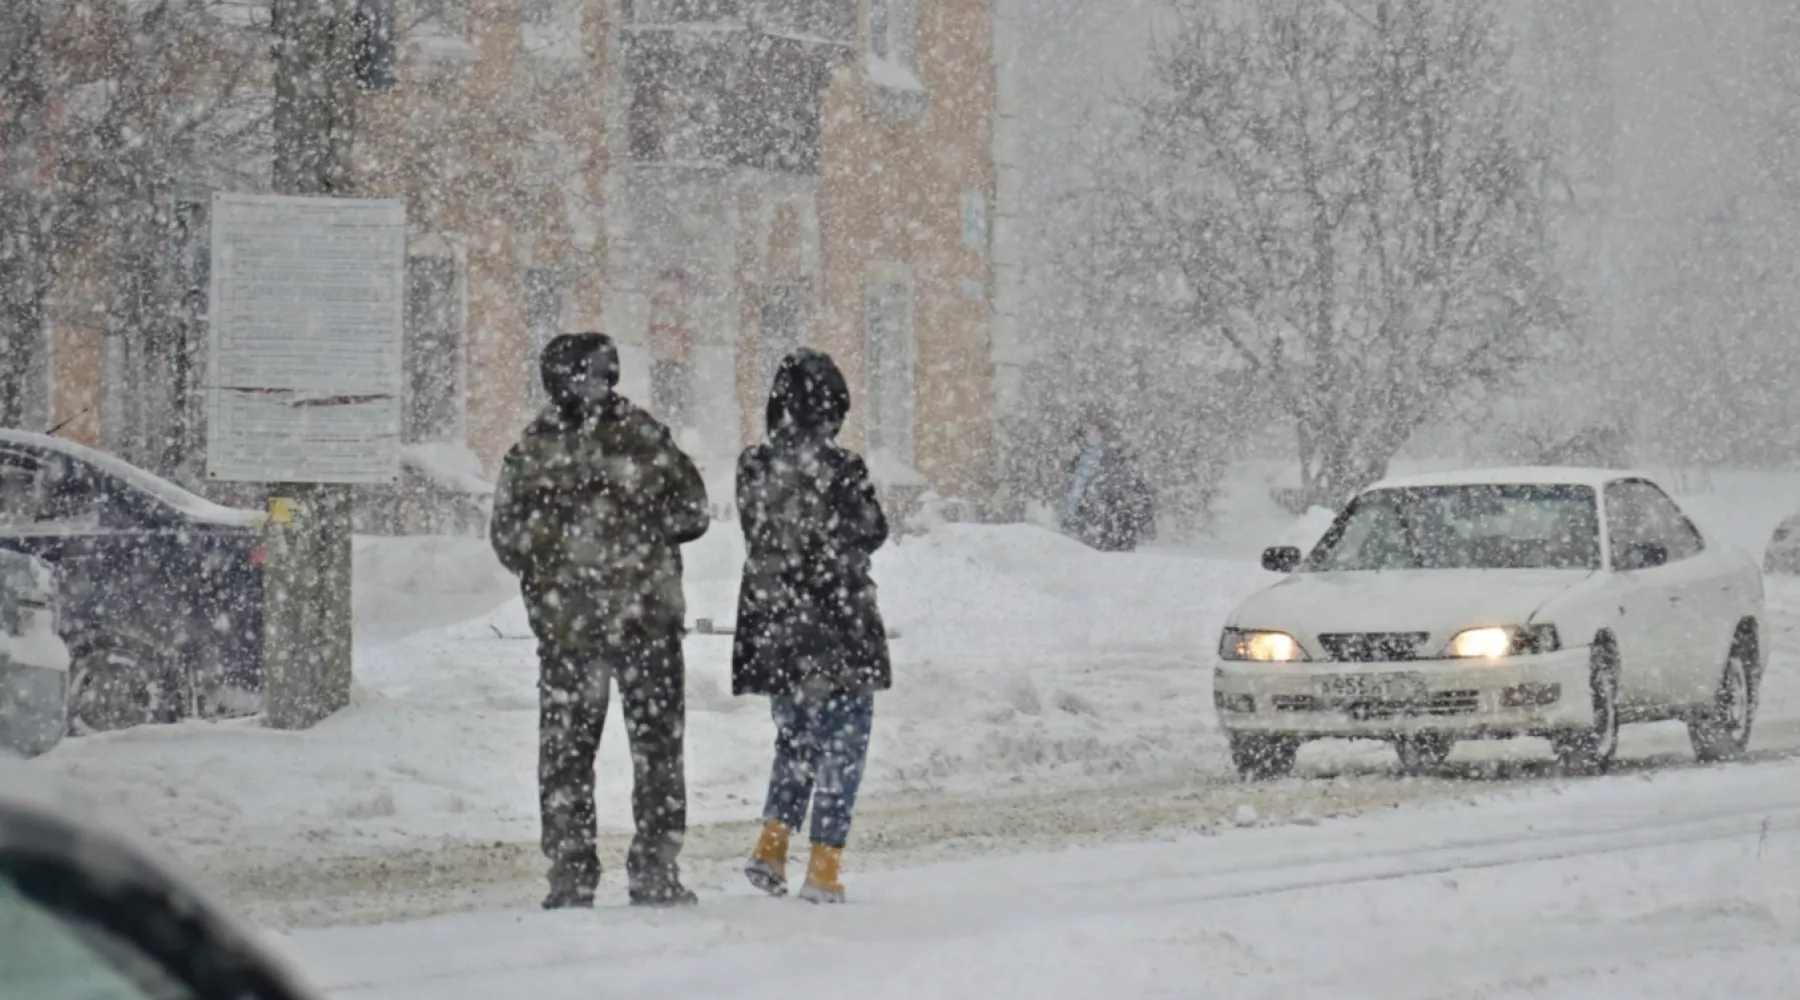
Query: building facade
x,y
713,183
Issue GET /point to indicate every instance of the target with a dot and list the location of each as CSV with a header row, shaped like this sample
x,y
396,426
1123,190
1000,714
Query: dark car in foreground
x,y
85,912
160,590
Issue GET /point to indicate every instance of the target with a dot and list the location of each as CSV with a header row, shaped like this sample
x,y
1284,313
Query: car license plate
x,y
1385,687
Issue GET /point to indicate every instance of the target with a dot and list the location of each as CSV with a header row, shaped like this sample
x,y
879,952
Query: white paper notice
x,y
304,346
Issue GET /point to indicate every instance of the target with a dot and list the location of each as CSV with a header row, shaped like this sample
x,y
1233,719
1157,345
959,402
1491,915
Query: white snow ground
x,y
1047,696
1025,664
1023,658
1669,885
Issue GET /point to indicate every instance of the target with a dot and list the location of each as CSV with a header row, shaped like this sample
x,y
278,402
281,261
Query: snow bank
x,y
452,466
407,585
1023,658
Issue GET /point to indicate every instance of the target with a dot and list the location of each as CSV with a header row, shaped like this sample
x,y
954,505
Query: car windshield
x,y
1464,527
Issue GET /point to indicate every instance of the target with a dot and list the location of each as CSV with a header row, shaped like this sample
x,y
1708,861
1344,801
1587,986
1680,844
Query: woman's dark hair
x,y
809,394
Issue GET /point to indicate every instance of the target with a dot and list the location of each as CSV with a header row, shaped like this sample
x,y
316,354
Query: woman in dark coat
x,y
808,632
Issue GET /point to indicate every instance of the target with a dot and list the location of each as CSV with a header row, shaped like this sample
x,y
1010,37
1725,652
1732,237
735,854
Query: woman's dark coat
x,y
806,608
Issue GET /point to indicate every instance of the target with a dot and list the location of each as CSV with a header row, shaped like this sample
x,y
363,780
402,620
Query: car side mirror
x,y
1644,555
1282,559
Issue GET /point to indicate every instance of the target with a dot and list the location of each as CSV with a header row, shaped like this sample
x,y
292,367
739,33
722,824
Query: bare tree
x,y
1764,100
1343,196
27,240
104,109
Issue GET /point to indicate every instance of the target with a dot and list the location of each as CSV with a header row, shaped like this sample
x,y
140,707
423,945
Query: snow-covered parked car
x,y
160,590
34,662
1493,604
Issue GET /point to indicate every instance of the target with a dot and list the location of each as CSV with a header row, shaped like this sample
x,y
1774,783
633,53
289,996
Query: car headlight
x,y
1260,647
1497,642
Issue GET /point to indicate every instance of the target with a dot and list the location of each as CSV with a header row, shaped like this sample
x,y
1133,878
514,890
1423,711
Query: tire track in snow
x,y
381,885
918,921
1499,852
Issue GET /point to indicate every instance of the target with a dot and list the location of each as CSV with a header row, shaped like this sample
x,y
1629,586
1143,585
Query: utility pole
x,y
307,610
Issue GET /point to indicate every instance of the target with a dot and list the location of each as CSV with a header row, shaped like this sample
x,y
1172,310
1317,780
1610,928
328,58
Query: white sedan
x,y
1493,604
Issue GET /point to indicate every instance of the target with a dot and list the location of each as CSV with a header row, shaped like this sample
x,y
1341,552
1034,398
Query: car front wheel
x,y
1262,758
118,681
1593,750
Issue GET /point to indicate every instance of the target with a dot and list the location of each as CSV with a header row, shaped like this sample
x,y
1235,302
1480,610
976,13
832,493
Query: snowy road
x,y
1671,884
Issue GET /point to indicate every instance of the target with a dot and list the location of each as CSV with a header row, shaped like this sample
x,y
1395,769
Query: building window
x,y
373,25
893,360
893,32
671,350
553,28
434,351
546,301
671,391
712,99
681,11
832,20
446,20
783,319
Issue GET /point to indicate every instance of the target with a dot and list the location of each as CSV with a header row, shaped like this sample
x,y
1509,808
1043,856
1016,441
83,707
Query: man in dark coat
x,y
590,512
809,634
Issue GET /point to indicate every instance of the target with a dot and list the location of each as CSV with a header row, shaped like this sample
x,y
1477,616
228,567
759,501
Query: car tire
x,y
1724,734
1263,758
1423,752
119,681
1593,750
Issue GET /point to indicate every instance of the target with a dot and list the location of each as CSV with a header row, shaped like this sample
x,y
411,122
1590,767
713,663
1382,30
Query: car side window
x,y
1637,513
20,491
49,493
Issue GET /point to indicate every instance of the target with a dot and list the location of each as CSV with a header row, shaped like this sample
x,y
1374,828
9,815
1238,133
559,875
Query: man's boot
x,y
661,888
572,883
822,885
767,868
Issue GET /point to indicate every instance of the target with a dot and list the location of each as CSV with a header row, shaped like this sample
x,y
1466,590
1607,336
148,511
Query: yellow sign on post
x,y
282,510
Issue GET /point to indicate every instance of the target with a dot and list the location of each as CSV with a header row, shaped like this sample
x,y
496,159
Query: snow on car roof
x,y
194,506
1512,476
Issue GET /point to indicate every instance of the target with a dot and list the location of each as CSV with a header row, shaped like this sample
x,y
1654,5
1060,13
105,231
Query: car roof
x,y
1525,475
190,504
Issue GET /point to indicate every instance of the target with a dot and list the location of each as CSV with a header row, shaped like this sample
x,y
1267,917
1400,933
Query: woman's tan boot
x,y
822,885
767,868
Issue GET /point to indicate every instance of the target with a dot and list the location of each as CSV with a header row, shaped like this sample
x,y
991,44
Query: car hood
x,y
1441,602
